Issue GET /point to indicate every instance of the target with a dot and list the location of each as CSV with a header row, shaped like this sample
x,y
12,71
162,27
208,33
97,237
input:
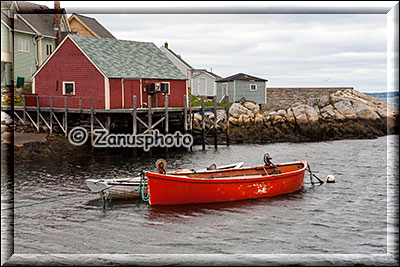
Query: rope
x,y
313,175
143,182
42,202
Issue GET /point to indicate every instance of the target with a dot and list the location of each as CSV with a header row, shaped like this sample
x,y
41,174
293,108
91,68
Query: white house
x,y
203,83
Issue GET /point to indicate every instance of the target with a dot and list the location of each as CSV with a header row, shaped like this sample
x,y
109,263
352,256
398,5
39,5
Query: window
x,y
165,88
253,87
23,45
68,88
49,49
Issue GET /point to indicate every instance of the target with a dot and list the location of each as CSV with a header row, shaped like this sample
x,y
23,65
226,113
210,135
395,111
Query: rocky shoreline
x,y
347,114
341,115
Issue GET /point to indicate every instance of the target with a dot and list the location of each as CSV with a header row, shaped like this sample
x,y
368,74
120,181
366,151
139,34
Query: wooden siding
x,y
238,89
24,61
210,83
69,64
76,26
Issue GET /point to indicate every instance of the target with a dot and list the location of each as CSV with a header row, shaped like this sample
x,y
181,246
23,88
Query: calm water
x,y
347,217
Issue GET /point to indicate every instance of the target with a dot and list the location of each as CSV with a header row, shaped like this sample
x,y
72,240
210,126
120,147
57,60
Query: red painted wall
x,y
115,93
70,64
175,98
131,88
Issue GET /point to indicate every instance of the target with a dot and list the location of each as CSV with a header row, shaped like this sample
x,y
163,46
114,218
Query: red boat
x,y
225,185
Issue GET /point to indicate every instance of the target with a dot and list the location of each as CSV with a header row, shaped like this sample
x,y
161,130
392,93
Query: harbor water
x,y
55,213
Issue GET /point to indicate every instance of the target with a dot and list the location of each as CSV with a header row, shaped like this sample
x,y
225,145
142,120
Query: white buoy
x,y
330,178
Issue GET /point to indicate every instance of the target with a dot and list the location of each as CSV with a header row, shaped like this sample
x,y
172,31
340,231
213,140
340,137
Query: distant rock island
x,y
383,94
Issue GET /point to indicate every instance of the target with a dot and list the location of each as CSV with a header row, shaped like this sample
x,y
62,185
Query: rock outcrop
x,y
341,115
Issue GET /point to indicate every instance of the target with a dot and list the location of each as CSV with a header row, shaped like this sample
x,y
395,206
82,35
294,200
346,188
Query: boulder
x,y
251,106
365,112
346,109
237,109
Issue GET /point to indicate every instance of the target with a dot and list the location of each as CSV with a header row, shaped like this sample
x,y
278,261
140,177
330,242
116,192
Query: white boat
x,y
131,187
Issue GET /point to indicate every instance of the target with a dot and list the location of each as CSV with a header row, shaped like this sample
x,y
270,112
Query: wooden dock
x,y
134,120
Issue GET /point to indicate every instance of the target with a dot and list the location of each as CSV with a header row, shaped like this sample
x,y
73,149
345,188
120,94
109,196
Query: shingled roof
x,y
128,59
242,77
95,26
32,14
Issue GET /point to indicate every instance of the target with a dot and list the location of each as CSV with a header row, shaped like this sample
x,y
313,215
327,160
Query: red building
x,y
111,72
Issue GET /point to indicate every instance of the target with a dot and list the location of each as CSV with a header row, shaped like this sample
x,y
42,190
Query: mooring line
x,y
43,202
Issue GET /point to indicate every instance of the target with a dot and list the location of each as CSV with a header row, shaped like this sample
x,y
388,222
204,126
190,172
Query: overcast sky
x,y
294,50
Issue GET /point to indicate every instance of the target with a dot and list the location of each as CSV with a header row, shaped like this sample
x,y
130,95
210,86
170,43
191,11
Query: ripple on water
x,y
346,217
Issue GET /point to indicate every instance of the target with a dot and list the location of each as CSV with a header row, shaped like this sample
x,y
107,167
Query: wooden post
x,y
149,118
91,121
134,123
227,119
134,119
37,113
166,121
66,116
203,125
191,119
185,114
51,115
24,99
166,115
215,123
149,122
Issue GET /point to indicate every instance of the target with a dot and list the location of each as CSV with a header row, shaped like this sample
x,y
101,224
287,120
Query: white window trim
x,y
252,89
63,83
51,45
22,41
169,87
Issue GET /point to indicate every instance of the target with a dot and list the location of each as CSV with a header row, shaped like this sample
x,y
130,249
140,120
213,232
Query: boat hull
x,y
246,183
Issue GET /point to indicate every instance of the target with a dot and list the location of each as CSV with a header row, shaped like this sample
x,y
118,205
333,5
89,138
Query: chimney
x,y
57,21
166,45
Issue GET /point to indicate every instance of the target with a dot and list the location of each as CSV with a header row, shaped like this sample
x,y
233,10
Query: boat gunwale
x,y
242,179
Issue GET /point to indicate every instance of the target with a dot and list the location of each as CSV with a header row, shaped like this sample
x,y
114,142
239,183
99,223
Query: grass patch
x,y
208,102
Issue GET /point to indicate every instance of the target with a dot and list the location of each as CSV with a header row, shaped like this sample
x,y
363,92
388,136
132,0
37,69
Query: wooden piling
x,y
37,114
134,123
24,118
215,123
227,119
149,121
91,122
51,115
185,126
191,119
203,125
66,116
134,118
166,121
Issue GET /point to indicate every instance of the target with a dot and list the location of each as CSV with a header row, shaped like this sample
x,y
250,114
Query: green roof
x,y
128,59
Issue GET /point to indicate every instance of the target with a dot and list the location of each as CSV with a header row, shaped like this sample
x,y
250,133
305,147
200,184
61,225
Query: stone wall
x,y
284,98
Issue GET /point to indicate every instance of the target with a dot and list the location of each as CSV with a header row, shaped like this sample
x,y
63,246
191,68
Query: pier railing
x,y
61,111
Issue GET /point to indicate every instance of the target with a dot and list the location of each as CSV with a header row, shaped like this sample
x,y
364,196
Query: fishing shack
x,y
109,71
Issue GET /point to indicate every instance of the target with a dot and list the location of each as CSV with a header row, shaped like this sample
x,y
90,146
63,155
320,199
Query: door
x,y
202,86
